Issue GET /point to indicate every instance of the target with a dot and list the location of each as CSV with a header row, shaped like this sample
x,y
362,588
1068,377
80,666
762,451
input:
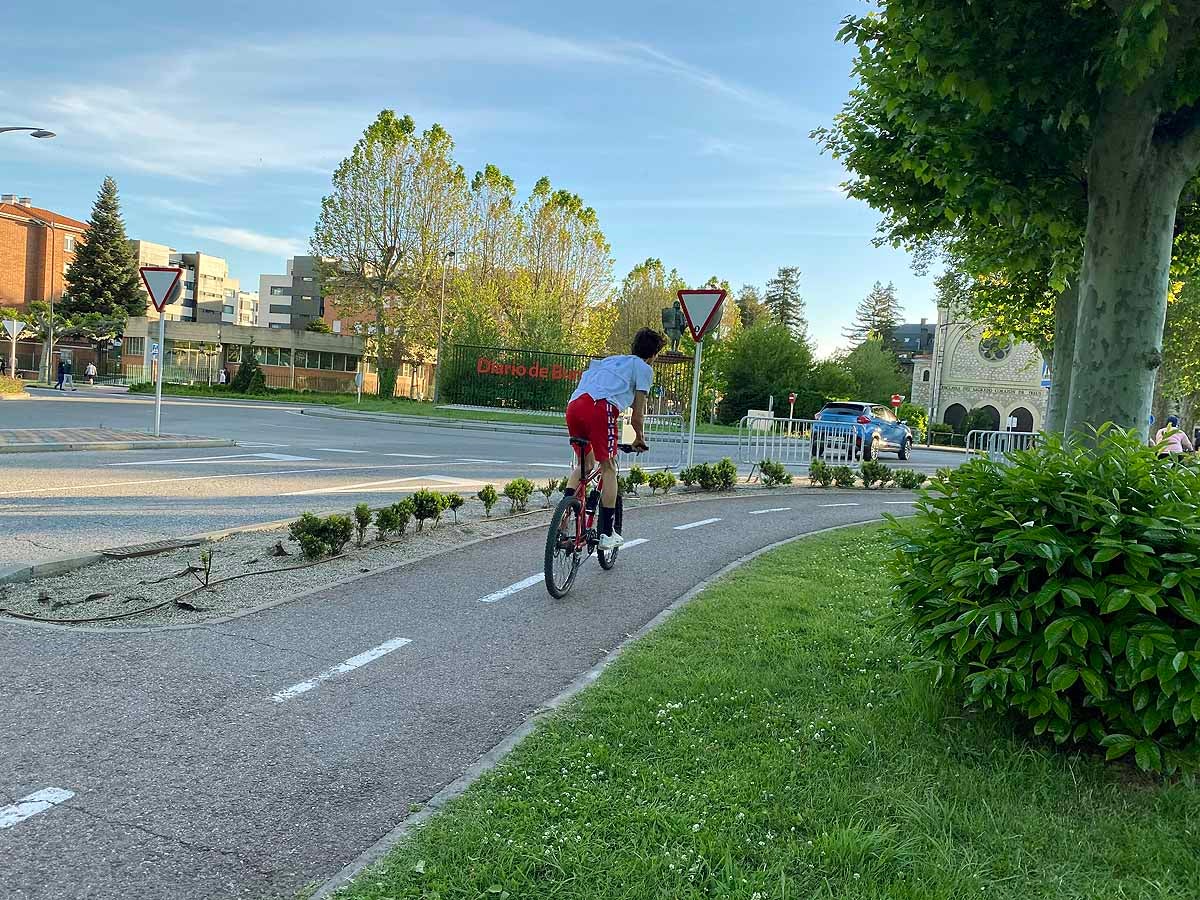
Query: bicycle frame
x,y
585,524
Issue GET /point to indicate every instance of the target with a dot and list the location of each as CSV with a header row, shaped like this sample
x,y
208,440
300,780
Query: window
x,y
227,309
327,361
925,375
306,297
337,326
280,309
69,243
307,278
134,346
995,349
233,353
285,356
278,290
278,325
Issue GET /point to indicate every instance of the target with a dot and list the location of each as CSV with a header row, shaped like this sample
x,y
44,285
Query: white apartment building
x,y
205,282
275,301
241,307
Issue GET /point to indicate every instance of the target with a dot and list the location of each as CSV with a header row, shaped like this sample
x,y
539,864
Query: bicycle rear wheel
x,y
608,558
562,554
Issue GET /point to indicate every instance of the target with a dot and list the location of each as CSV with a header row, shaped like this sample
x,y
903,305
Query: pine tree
x,y
784,303
876,317
103,278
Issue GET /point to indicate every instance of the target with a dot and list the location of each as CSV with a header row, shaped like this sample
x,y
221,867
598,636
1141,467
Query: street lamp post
x,y
33,132
437,375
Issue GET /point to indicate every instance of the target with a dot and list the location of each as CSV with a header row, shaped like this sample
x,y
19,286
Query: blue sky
x,y
684,124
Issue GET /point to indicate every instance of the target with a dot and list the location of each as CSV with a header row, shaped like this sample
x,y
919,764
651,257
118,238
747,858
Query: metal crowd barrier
x,y
996,445
667,439
797,442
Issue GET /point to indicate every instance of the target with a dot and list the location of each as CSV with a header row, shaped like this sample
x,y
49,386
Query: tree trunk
x,y
1132,198
1066,318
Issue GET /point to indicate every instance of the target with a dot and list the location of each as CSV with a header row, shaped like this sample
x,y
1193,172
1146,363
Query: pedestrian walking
x,y
67,376
224,376
90,372
3,366
1172,442
62,373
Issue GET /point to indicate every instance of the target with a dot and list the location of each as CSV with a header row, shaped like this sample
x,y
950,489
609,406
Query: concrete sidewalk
x,y
42,440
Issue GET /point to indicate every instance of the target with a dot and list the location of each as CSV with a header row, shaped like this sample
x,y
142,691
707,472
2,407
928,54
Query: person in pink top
x,y
1171,441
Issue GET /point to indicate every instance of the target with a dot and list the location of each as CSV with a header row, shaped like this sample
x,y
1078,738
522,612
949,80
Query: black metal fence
x,y
510,378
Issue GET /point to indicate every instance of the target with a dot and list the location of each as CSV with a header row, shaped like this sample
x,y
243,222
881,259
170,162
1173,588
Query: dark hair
x,y
1173,421
648,343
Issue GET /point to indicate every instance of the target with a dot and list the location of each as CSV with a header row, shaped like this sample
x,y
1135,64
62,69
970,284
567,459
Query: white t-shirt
x,y
615,379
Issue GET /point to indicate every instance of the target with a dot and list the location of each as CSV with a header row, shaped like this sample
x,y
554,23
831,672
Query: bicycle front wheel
x,y
608,558
563,553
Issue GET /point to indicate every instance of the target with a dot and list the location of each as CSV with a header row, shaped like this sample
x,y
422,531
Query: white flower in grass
x,y
696,827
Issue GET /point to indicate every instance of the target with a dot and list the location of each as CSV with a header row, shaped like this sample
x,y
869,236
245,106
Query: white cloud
x,y
244,239
240,108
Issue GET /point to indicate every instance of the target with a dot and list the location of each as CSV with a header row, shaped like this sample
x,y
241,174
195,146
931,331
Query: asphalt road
x,y
226,761
62,504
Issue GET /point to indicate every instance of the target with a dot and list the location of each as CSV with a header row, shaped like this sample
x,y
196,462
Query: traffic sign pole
x,y
701,311
14,327
162,284
162,320
695,399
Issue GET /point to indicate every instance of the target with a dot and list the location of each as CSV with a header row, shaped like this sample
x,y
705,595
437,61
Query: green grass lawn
x,y
769,741
376,404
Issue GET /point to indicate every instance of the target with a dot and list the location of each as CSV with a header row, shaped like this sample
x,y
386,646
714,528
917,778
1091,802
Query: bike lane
x,y
251,758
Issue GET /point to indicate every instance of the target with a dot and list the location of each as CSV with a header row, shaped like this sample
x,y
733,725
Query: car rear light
x,y
864,420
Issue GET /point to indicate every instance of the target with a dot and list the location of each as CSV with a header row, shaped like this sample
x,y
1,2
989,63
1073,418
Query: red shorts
x,y
596,420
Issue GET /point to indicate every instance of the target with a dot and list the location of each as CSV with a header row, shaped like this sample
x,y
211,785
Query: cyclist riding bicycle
x,y
607,387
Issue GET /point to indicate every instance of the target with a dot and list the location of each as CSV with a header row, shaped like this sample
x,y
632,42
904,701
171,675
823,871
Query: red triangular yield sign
x,y
701,309
160,283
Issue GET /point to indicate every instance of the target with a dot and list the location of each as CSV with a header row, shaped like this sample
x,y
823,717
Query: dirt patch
x,y
246,574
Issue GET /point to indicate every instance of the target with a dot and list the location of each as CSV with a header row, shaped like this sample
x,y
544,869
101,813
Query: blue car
x,y
876,427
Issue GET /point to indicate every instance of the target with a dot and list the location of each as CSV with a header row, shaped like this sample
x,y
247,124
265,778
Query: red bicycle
x,y
573,535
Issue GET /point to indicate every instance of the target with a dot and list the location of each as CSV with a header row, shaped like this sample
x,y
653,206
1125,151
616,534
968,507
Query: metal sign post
x,y
358,380
14,327
163,285
701,311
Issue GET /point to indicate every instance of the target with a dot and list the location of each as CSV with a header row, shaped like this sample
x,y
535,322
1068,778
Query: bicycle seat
x,y
580,442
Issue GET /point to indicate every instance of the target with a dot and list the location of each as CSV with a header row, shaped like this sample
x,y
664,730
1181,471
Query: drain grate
x,y
149,549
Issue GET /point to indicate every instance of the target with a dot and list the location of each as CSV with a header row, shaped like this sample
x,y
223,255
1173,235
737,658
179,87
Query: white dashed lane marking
x,y
696,524
31,805
525,583
763,512
837,505
354,662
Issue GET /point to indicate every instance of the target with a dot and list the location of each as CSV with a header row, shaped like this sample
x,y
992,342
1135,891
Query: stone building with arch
x,y
967,371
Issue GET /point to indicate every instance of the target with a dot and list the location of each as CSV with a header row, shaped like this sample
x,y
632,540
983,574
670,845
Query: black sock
x,y
607,517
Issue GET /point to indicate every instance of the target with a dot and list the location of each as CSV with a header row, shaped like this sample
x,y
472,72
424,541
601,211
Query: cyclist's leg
x,y
606,453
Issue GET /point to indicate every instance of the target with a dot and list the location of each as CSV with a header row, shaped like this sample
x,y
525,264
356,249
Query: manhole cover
x,y
149,549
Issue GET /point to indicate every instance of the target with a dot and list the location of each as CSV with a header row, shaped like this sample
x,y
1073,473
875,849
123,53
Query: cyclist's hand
x,y
640,445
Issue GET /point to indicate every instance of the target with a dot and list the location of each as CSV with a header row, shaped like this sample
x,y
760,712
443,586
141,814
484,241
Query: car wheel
x,y
871,450
906,449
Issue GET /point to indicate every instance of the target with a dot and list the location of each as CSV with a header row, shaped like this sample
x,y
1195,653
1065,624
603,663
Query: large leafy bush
x,y
1065,585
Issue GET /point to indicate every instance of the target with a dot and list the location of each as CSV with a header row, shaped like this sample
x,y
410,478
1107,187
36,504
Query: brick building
x,y
36,247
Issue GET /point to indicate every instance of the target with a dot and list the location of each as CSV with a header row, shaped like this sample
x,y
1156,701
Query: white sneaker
x,y
611,541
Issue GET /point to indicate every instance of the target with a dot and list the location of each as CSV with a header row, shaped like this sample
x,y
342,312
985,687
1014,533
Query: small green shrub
x,y
820,473
843,476
662,481
774,473
426,505
874,472
908,479
548,489
690,475
725,475
362,521
456,502
1065,586
518,491
394,519
10,385
488,497
637,478
319,537
443,504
